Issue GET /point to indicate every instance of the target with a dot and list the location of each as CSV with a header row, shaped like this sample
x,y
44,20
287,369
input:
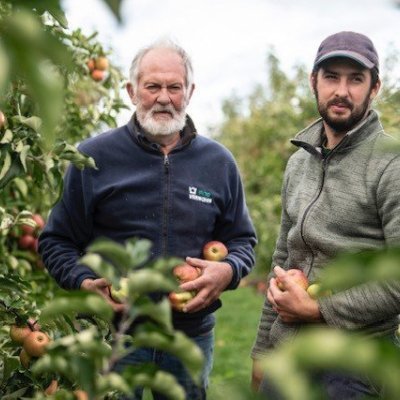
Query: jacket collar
x,y
188,133
312,137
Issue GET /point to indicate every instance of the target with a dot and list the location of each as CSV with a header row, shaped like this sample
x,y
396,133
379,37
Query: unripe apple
x,y
52,388
214,251
120,295
19,333
35,343
186,273
314,291
297,276
24,358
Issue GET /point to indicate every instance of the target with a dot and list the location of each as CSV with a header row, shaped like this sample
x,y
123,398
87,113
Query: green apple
x,y
314,291
120,295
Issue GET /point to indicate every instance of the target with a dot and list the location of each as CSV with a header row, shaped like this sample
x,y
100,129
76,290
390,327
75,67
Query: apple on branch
x,y
35,343
214,251
297,276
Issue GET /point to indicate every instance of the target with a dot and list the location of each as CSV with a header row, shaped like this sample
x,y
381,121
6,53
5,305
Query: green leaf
x,y
115,7
76,302
102,268
147,281
33,122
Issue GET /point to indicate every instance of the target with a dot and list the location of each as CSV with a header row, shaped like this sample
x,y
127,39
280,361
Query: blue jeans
x,y
336,386
173,365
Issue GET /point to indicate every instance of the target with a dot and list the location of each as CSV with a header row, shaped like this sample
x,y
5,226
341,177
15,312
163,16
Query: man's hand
x,y
215,277
102,287
293,304
256,375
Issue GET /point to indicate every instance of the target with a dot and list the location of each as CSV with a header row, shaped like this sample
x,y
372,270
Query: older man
x,y
157,179
340,192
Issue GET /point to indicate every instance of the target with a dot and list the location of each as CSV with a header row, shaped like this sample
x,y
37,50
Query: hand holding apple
x,y
120,295
314,290
296,275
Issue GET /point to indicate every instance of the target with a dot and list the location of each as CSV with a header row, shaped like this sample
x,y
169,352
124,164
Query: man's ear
x,y
375,89
313,81
131,92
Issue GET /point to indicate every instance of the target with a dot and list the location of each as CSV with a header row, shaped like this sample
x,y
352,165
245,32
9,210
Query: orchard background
x,y
58,87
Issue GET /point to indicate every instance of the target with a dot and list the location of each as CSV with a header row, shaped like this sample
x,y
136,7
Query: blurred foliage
x,y
258,130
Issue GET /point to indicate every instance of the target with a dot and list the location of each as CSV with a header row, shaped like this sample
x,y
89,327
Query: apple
x,y
19,333
97,75
35,343
101,63
52,388
214,251
314,291
24,358
120,295
297,276
31,230
185,272
26,242
2,119
178,300
81,395
90,64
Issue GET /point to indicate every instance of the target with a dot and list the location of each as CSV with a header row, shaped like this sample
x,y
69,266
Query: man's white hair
x,y
162,43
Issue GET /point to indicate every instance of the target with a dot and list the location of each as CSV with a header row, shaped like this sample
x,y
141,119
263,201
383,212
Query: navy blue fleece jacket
x,y
179,202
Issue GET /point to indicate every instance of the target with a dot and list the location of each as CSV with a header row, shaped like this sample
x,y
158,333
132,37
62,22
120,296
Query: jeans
x,y
173,365
335,386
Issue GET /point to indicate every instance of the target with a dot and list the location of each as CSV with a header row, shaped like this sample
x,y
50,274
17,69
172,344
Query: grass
x,y
236,328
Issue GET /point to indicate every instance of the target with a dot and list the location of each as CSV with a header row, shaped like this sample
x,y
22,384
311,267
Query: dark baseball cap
x,y
348,44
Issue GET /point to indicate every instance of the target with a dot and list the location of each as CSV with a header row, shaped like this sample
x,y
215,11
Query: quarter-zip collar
x,y
187,134
312,137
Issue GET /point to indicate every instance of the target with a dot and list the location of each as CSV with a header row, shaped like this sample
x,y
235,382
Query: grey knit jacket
x,y
351,199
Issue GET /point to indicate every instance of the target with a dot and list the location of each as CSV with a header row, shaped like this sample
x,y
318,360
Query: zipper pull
x,y
166,161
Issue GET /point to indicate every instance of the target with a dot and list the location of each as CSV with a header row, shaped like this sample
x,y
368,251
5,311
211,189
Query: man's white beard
x,y
163,127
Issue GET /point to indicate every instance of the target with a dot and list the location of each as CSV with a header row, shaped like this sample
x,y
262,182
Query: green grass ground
x,y
235,332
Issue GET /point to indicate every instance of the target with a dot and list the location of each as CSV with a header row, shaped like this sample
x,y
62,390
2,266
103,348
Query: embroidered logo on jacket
x,y
199,195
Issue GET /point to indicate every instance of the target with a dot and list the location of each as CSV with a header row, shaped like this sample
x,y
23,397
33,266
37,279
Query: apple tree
x,y
58,87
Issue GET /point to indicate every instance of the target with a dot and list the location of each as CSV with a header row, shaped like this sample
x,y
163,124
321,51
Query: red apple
x,y
179,300
2,120
214,251
185,272
52,388
26,242
19,333
297,276
35,343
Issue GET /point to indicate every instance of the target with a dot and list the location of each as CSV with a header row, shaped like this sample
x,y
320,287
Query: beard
x,y
338,124
154,127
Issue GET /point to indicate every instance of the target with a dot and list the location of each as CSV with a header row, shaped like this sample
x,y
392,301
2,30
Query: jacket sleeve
x,y
236,230
68,231
364,305
268,315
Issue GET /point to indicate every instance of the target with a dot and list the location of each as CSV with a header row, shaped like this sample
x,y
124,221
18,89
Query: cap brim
x,y
347,54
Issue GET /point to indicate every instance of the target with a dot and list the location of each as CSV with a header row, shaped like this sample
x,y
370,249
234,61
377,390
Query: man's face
x,y
161,96
343,92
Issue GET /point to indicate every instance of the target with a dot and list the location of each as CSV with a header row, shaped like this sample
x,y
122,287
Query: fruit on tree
x,y
214,251
185,272
24,358
90,64
26,242
35,343
297,276
97,75
120,295
19,333
52,388
101,63
81,395
2,119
